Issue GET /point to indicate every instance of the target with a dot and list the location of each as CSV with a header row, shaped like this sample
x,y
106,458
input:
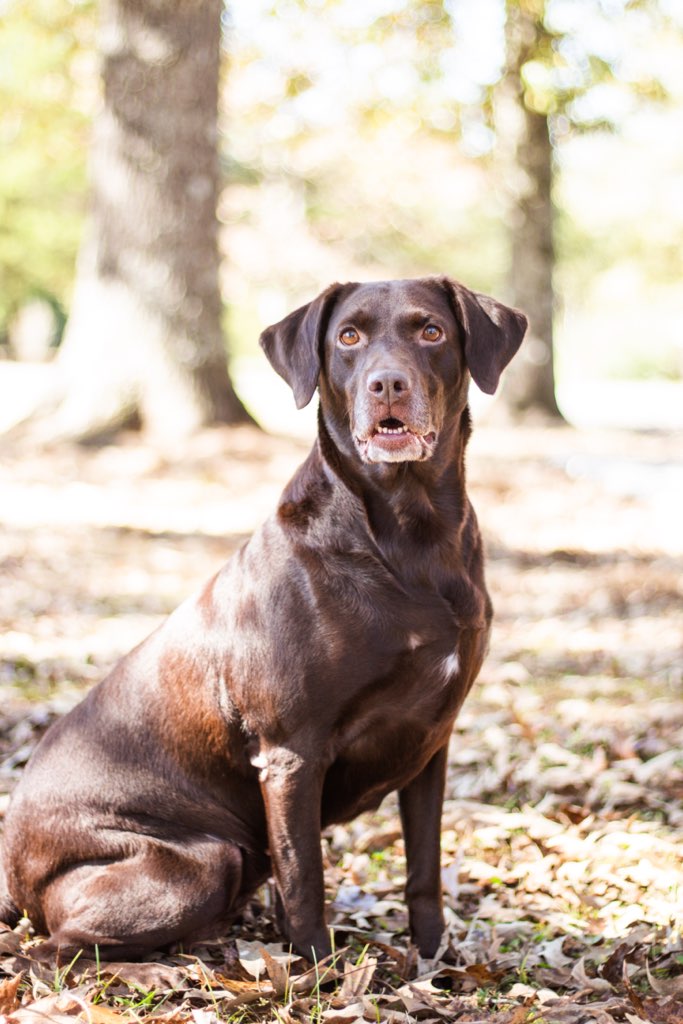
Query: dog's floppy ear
x,y
293,345
492,333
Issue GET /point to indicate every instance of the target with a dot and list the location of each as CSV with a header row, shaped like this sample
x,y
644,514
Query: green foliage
x,y
576,61
48,89
359,140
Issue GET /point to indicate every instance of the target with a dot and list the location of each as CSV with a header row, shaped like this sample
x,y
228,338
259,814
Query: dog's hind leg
x,y
161,894
9,911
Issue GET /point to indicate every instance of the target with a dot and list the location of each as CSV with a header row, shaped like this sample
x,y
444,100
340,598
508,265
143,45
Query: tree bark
x,y
529,383
144,339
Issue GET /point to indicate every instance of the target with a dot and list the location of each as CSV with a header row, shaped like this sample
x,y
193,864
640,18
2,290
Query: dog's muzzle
x,y
393,440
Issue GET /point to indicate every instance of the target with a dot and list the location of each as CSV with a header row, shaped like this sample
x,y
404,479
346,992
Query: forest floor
x,y
563,821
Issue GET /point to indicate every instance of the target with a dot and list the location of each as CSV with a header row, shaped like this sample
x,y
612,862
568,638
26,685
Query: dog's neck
x,y
415,515
423,501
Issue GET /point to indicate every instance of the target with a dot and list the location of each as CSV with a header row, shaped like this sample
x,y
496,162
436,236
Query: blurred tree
x,y
391,76
47,95
551,78
144,341
331,101
524,134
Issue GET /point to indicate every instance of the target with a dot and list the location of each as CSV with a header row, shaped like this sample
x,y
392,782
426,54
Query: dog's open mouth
x,y
391,426
392,440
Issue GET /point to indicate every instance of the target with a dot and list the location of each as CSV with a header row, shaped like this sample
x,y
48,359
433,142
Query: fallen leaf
x,y
157,976
483,974
8,993
520,991
521,1013
613,967
10,942
246,996
58,1008
204,1017
357,978
419,996
664,986
666,1011
551,951
278,971
450,879
97,1013
592,984
375,840
351,1014
631,992
251,956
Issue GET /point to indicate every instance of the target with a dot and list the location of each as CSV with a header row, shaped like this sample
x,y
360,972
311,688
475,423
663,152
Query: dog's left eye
x,y
432,333
349,336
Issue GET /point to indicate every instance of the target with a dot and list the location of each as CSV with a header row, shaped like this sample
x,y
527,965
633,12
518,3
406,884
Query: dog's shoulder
x,y
307,498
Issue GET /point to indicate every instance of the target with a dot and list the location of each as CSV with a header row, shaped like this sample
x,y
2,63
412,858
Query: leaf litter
x,y
562,828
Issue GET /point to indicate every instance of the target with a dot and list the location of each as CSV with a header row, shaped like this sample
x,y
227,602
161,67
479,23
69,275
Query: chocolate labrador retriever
x,y
320,669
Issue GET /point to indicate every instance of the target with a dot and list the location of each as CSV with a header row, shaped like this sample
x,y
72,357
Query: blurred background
x,y
530,148
175,175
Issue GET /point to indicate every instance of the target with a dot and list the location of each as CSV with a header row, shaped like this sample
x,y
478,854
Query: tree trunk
x,y
529,382
144,339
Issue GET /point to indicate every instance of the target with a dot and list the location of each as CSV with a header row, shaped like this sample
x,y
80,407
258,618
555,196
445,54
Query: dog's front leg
x,y
292,787
420,803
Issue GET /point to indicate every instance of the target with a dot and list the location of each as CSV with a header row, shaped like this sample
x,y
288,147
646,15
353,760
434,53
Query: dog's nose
x,y
389,384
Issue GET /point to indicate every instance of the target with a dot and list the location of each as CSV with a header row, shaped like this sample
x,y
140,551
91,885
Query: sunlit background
x,y
366,139
358,142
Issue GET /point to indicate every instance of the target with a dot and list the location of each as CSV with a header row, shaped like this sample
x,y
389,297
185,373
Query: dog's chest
x,y
358,658
393,726
418,685
410,704
394,722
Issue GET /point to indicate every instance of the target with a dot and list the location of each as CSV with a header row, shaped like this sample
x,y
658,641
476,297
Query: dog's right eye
x,y
349,336
432,333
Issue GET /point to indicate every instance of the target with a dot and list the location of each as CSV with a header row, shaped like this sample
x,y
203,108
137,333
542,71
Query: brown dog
x,y
322,668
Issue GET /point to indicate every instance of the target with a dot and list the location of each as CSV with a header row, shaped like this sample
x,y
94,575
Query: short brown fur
x,y
323,667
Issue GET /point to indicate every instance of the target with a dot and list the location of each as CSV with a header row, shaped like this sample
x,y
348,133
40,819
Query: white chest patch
x,y
261,762
450,666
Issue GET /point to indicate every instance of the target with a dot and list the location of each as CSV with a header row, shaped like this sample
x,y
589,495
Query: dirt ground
x,y
563,823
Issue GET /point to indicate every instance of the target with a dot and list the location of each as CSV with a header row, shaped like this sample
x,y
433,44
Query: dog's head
x,y
393,358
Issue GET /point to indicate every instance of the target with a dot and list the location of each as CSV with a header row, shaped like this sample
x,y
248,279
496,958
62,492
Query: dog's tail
x,y
9,911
